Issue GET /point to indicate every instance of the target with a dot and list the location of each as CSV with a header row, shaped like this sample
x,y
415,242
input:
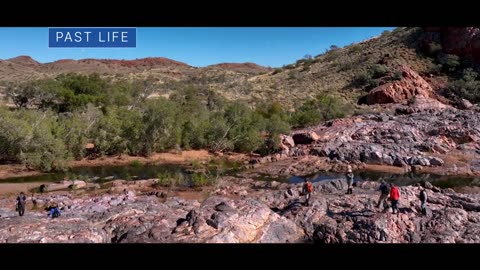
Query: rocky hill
x,y
349,72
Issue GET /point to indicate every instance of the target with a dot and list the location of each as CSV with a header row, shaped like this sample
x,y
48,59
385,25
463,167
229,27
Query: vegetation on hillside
x,y
214,109
349,71
463,73
333,71
56,118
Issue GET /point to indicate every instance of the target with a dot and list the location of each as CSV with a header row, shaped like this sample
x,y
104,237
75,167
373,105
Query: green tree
x,y
43,148
324,107
161,125
14,135
119,131
450,62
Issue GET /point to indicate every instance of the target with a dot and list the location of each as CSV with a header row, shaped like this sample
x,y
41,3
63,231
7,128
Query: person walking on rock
x,y
423,201
394,197
21,202
349,180
384,192
307,190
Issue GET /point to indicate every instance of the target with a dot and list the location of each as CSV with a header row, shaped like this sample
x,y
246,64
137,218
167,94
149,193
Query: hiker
x,y
423,201
349,180
21,201
307,191
384,192
394,197
285,148
53,210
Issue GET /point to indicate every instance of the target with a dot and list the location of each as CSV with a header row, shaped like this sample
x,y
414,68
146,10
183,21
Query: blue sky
x,y
196,46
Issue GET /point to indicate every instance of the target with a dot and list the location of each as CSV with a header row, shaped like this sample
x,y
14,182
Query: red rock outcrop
x,y
410,85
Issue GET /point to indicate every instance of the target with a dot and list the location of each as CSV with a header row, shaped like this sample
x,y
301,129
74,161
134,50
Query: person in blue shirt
x,y
53,211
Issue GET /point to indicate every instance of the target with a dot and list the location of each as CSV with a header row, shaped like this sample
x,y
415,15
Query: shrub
x,y
136,164
469,74
324,107
434,48
199,180
363,79
469,90
398,75
449,62
434,69
346,66
356,48
379,71
332,55
170,179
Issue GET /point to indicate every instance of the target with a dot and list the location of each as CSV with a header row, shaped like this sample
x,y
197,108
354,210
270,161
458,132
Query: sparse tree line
x,y
56,118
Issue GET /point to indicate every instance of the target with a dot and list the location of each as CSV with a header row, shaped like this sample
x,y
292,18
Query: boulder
x,y
409,86
305,137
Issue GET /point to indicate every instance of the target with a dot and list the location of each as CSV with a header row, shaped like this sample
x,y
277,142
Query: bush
x,y
294,75
14,134
276,71
32,140
219,165
362,79
379,71
469,90
469,75
346,66
136,164
170,179
434,69
434,48
161,121
300,61
398,75
356,48
332,55
333,48
371,85
307,114
449,62
324,107
200,180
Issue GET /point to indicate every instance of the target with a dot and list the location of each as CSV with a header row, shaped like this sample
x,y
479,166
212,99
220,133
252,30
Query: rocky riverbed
x,y
242,210
421,135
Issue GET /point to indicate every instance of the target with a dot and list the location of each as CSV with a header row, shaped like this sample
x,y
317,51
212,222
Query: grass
x,y
200,175
178,180
136,164
337,68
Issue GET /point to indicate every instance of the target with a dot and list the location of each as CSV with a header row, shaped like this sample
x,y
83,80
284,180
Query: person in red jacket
x,y
394,197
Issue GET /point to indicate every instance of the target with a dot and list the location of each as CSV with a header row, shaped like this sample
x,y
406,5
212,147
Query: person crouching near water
x,y
349,180
307,190
384,192
53,210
